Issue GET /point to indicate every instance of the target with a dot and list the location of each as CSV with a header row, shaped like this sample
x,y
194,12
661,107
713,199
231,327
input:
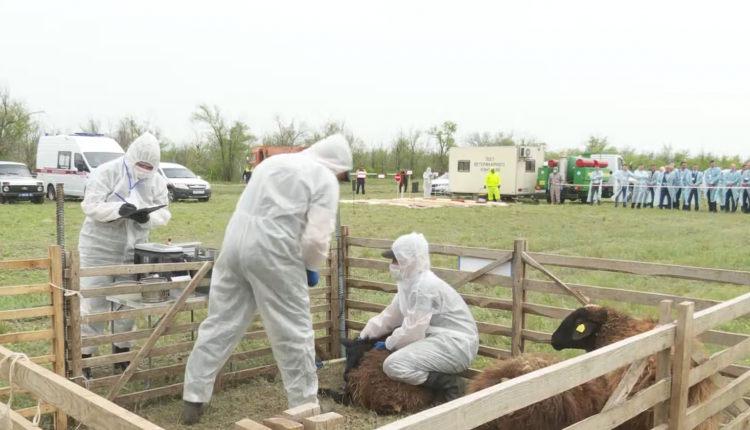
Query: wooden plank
x,y
621,413
34,263
345,271
723,338
475,409
249,425
58,322
458,251
25,289
132,288
30,412
135,335
278,423
471,276
365,306
39,311
25,336
518,320
682,361
719,361
366,284
128,314
719,400
160,328
663,364
302,411
74,319
334,314
17,421
626,384
78,402
724,312
738,423
496,329
488,351
140,268
355,325
328,421
648,269
580,297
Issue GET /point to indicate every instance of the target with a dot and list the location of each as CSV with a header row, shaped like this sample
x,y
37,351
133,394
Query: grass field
x,y
687,238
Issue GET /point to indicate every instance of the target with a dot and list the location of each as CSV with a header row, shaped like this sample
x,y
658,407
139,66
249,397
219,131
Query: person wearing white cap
x,y
275,242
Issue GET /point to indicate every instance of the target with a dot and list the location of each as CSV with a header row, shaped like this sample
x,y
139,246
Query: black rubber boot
x,y
86,370
191,412
639,206
449,387
632,206
122,365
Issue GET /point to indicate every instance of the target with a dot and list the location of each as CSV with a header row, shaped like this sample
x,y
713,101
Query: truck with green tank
x,y
576,170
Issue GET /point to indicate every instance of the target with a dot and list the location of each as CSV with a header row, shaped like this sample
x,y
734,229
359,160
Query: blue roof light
x,y
88,134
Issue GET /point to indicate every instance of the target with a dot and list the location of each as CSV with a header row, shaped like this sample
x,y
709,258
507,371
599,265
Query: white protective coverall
x,y
105,243
437,331
282,225
427,176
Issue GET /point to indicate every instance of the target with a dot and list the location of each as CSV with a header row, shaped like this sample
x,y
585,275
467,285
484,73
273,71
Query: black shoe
x,y
122,365
686,208
450,387
639,206
86,370
191,412
632,206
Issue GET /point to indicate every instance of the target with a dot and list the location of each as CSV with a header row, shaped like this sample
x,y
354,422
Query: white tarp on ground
x,y
421,203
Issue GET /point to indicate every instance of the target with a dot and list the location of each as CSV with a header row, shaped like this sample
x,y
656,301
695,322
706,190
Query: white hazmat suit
x,y
436,330
107,239
427,176
282,225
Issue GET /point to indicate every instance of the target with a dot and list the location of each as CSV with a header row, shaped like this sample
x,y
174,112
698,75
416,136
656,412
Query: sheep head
x,y
355,350
592,327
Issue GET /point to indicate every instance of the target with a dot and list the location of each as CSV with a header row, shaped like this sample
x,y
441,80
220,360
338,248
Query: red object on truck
x,y
262,152
591,162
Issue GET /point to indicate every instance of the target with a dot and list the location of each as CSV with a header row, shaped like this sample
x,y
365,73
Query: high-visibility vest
x,y
361,174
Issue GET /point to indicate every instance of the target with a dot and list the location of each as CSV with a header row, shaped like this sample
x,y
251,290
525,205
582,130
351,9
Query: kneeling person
x,y
437,337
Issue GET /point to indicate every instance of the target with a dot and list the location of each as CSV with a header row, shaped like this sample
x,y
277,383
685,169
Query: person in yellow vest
x,y
492,183
361,176
247,173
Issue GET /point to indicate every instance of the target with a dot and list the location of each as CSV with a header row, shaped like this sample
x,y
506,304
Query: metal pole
x,y
342,317
60,224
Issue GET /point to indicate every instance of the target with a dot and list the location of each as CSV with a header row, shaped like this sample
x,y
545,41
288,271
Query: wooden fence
x,y
479,408
33,324
167,360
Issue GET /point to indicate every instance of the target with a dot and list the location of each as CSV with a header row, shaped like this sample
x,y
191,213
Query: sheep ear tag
x,y
582,330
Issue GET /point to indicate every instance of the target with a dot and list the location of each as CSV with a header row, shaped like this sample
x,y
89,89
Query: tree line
x,y
221,148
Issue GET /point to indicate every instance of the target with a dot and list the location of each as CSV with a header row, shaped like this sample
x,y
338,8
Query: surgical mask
x,y
395,270
141,173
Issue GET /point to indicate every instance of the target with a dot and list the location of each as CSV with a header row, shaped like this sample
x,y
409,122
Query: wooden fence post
x,y
58,322
74,324
663,358
344,310
334,350
518,321
682,359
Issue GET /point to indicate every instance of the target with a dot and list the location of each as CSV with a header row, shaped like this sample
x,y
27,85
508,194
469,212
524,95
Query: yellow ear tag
x,y
580,328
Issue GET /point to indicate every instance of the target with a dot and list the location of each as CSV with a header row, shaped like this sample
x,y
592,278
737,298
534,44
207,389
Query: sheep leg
x,y
337,397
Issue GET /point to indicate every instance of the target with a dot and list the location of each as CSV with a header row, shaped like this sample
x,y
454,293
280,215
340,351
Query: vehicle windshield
x,y
178,172
97,158
14,170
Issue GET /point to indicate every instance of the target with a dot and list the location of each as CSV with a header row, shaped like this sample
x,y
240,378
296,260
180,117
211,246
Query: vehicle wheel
x,y
50,192
38,200
204,200
2,200
171,195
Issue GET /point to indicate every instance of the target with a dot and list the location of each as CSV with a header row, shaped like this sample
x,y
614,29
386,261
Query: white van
x,y
70,159
184,184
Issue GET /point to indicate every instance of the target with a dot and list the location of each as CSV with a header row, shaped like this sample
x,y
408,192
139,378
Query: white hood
x,y
332,152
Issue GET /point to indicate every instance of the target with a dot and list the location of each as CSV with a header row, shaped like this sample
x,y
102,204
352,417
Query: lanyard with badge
x,y
131,185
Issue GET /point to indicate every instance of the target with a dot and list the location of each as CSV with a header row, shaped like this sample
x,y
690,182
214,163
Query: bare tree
x,y
400,150
231,141
445,141
91,125
414,147
15,123
290,134
488,139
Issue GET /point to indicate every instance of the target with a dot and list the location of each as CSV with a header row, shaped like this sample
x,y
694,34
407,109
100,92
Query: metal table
x,y
135,301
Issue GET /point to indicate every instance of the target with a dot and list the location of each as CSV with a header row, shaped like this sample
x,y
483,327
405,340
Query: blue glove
x,y
380,346
358,338
312,278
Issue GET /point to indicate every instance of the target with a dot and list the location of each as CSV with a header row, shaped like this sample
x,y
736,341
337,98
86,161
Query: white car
x,y
17,183
441,185
183,184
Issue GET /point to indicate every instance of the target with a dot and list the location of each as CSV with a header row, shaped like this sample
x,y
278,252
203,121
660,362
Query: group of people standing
x,y
667,187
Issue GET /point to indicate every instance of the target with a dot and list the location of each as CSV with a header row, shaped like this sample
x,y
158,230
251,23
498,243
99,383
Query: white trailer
x,y
517,167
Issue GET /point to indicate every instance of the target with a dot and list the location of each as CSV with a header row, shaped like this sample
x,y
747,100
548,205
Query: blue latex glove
x,y
312,278
358,338
379,345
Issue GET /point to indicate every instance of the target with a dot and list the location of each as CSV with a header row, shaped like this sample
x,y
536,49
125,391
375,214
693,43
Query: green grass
x,y
686,238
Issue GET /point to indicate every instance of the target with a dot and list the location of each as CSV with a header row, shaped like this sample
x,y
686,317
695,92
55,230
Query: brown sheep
x,y
553,413
368,386
592,327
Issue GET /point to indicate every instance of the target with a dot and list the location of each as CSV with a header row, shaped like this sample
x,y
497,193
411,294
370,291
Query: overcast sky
x,y
642,73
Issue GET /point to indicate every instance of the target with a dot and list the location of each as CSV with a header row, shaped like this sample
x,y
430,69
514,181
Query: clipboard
x,y
143,211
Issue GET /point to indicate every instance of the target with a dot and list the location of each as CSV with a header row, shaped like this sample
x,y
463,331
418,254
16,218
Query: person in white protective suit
x,y
435,335
274,244
427,176
111,229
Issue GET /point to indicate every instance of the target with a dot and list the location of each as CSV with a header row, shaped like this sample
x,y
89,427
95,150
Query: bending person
x,y
437,337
